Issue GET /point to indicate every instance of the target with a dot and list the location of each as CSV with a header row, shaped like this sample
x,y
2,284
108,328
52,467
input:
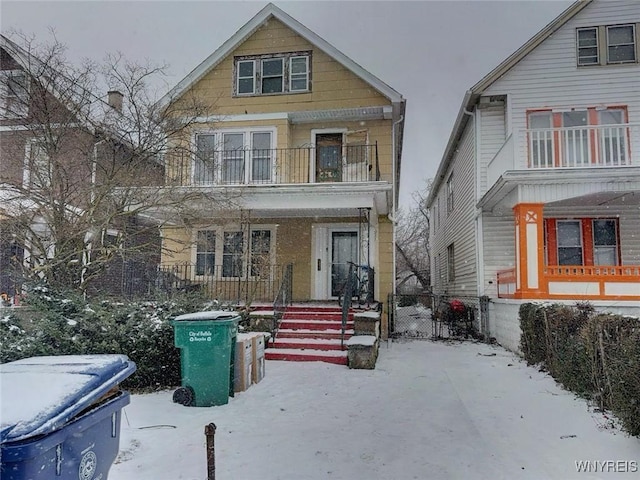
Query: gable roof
x,y
92,109
472,95
271,11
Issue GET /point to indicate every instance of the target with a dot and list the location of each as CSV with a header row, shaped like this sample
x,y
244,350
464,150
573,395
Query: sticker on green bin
x,y
200,336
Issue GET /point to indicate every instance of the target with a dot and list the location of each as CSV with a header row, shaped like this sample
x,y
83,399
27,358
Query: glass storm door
x,y
329,157
344,248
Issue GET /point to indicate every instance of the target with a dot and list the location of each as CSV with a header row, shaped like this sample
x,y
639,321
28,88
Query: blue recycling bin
x,y
60,416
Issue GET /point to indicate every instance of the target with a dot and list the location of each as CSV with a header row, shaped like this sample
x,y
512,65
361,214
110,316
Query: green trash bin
x,y
207,342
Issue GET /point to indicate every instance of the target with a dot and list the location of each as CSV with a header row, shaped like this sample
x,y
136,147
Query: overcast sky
x,y
429,51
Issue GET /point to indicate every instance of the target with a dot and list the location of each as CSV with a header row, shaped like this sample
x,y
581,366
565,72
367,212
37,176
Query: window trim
x,y
258,60
634,39
246,253
5,111
578,47
450,192
586,237
217,173
603,44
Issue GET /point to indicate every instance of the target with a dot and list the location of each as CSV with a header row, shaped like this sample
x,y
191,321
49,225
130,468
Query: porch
x,y
576,282
564,251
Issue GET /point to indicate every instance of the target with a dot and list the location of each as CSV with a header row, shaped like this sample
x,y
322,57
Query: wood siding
x,y
458,226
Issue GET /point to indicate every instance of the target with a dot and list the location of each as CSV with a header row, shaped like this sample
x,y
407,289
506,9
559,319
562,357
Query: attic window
x,y
607,45
14,94
272,74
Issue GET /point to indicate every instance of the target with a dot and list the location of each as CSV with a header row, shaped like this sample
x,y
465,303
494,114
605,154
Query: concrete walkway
x,y
428,411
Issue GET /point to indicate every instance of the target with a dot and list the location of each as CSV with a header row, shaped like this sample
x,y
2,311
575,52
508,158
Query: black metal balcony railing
x,y
226,283
346,163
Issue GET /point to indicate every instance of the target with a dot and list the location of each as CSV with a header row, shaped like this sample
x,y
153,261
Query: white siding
x,y
499,249
549,77
458,227
492,125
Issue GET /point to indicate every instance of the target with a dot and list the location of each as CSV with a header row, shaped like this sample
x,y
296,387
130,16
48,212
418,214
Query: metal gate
x,y
410,316
433,316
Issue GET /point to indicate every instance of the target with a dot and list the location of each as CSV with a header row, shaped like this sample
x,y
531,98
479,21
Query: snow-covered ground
x,y
428,411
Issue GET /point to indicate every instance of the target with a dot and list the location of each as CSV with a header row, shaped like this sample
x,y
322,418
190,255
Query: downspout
x,y
392,216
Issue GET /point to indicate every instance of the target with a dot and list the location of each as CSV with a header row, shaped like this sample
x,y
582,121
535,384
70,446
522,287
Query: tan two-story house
x,y
306,146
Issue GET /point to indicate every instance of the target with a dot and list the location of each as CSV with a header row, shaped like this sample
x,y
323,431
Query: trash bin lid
x,y
40,395
209,315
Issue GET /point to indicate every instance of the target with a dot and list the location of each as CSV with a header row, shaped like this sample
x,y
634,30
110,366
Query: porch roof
x,y
575,186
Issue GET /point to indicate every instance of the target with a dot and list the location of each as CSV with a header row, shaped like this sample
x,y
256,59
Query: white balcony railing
x,y
568,147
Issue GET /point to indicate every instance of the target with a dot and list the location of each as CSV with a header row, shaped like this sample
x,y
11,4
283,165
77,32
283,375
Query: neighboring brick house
x,y
52,155
310,142
537,195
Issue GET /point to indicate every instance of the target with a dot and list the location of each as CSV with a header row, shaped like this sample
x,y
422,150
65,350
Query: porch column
x,y
529,249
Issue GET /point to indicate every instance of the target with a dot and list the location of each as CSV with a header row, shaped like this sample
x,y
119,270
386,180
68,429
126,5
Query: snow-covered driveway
x,y
428,411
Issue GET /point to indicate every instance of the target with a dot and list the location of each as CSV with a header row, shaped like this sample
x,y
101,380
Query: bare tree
x,y
412,242
83,177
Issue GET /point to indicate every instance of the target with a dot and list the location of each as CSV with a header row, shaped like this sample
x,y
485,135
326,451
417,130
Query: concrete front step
x,y
331,316
305,343
338,357
320,334
313,325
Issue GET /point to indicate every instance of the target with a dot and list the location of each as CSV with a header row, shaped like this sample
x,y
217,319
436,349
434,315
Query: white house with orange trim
x,y
307,144
537,196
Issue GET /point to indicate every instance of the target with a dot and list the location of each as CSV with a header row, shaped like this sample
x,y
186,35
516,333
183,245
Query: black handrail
x,y
347,298
283,298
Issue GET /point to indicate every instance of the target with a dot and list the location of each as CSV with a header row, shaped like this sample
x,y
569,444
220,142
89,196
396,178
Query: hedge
x,y
592,354
59,323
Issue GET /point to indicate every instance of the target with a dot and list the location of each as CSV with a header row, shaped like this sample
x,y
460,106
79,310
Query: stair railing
x,y
283,298
347,299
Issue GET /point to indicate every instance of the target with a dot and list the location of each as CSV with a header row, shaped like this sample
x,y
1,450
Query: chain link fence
x,y
430,316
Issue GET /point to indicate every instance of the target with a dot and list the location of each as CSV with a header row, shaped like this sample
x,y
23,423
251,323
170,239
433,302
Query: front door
x,y
344,249
329,157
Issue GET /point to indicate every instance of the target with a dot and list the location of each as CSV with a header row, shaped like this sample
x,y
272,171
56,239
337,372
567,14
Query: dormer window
x,y
272,74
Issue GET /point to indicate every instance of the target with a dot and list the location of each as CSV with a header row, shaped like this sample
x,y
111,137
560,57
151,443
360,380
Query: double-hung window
x,y
38,170
272,74
205,252
621,44
582,241
606,45
260,253
588,46
232,265
450,203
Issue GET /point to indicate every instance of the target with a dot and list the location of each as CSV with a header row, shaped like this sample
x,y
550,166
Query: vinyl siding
x,y
458,226
499,249
493,128
549,77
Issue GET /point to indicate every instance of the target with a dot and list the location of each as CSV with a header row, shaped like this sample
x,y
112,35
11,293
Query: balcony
x,y
346,163
594,146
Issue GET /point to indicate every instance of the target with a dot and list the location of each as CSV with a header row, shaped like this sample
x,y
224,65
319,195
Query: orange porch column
x,y
529,249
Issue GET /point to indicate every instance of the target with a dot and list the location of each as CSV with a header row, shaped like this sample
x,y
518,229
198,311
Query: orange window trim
x,y
588,243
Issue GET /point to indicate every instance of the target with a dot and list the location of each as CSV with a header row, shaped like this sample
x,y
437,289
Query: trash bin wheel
x,y
184,396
